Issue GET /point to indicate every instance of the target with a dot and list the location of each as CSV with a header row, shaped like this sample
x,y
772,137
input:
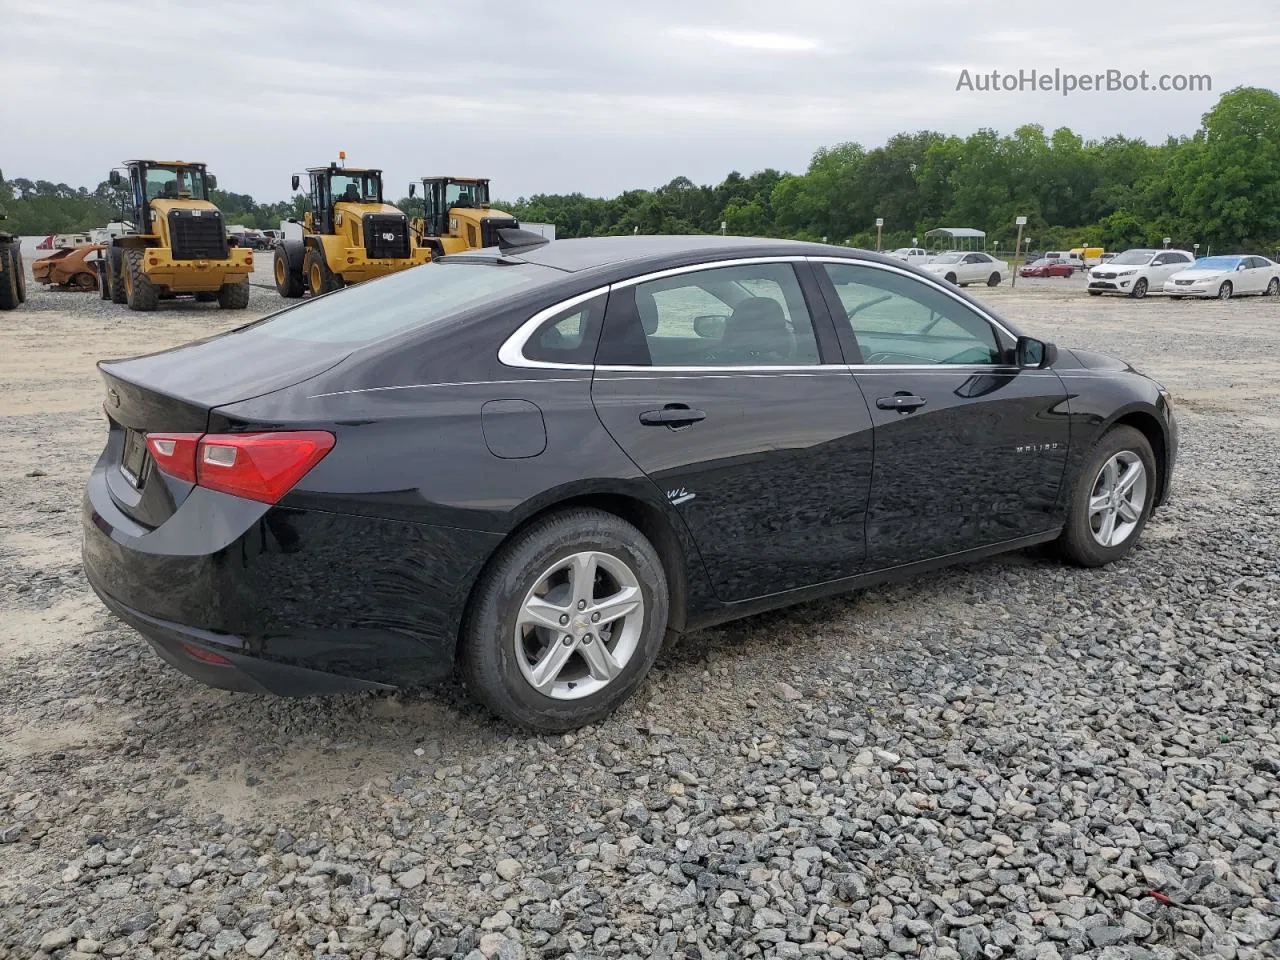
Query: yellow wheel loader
x,y
350,235
175,243
458,216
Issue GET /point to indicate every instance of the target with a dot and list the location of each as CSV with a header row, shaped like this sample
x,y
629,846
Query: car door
x,y
970,448
973,268
725,384
1259,275
1162,267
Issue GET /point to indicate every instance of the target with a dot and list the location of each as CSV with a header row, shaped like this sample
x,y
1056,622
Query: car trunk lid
x,y
173,392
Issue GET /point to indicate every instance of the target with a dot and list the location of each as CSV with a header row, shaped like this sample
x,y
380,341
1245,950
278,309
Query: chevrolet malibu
x,y
529,466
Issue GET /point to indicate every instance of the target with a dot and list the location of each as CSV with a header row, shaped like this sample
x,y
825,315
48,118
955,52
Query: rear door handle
x,y
902,402
672,415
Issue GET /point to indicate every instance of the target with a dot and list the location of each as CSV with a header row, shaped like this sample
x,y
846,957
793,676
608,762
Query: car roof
x,y
592,253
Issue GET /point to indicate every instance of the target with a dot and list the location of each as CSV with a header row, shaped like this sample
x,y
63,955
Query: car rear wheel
x,y
1112,499
950,278
85,282
1139,289
1273,288
993,280
1224,291
566,622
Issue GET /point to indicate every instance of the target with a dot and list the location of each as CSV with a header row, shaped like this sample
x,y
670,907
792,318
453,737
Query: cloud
x,y
566,95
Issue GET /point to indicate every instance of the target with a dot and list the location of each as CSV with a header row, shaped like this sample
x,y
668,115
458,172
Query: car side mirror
x,y
1035,354
1241,266
710,326
413,189
295,181
114,178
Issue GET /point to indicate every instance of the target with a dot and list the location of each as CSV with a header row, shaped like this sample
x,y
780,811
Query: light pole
x,y
879,232
1013,274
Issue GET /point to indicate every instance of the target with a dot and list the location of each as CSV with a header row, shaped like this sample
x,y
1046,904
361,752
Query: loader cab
x,y
160,180
333,184
443,194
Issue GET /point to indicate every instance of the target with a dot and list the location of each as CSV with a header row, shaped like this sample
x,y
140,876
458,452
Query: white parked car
x,y
1137,272
966,268
1226,277
916,256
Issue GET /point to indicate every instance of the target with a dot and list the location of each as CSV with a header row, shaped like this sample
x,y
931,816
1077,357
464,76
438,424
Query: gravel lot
x,y
1003,760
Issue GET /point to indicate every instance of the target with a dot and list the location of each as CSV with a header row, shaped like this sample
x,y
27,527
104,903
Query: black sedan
x,y
531,464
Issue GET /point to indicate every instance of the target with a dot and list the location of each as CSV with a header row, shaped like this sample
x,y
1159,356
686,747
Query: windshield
x,y
1132,258
175,183
355,188
950,258
1218,263
411,299
466,194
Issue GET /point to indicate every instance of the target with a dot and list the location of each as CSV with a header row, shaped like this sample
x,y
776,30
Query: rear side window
x,y
570,336
412,299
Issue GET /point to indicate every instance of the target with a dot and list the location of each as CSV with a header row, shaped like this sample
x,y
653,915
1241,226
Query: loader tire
x,y
140,292
320,279
288,278
115,275
8,279
234,296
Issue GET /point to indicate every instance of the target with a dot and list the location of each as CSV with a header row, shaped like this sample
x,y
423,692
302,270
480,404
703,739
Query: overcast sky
x,y
574,95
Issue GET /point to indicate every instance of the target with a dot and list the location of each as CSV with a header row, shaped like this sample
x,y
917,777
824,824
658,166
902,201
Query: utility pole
x,y
879,232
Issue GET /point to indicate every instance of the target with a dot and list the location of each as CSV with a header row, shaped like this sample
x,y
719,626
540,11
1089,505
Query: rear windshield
x,y
411,299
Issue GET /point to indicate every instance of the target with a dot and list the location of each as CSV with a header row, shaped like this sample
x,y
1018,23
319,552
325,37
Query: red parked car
x,y
1046,267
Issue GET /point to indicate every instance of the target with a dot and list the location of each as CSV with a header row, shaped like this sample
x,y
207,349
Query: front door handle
x,y
673,415
902,402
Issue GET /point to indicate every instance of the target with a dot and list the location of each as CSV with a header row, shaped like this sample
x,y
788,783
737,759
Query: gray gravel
x,y
1003,760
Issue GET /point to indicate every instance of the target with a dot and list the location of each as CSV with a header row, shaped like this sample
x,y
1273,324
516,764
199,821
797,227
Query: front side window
x,y
749,315
897,319
462,194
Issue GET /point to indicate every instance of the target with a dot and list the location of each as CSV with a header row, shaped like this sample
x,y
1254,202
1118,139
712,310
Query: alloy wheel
x,y
1224,291
579,625
1273,288
1118,499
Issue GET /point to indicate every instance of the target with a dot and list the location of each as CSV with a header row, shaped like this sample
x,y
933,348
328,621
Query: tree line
x,y
1219,187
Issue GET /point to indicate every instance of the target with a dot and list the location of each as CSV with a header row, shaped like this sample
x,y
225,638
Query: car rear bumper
x,y
298,600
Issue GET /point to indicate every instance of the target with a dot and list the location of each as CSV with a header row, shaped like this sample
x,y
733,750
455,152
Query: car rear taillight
x,y
175,453
259,466
256,466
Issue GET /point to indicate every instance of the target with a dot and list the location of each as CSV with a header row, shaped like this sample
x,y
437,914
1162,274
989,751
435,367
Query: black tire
x,y
1139,289
115,266
950,278
315,271
104,279
994,279
1273,288
487,651
1077,542
19,270
8,279
234,296
1225,291
141,293
287,276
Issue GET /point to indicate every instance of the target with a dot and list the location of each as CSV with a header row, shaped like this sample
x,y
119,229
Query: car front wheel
x,y
1139,289
1112,499
566,622
1224,291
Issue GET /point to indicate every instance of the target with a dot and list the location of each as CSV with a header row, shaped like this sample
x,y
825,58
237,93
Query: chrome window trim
x,y
511,353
